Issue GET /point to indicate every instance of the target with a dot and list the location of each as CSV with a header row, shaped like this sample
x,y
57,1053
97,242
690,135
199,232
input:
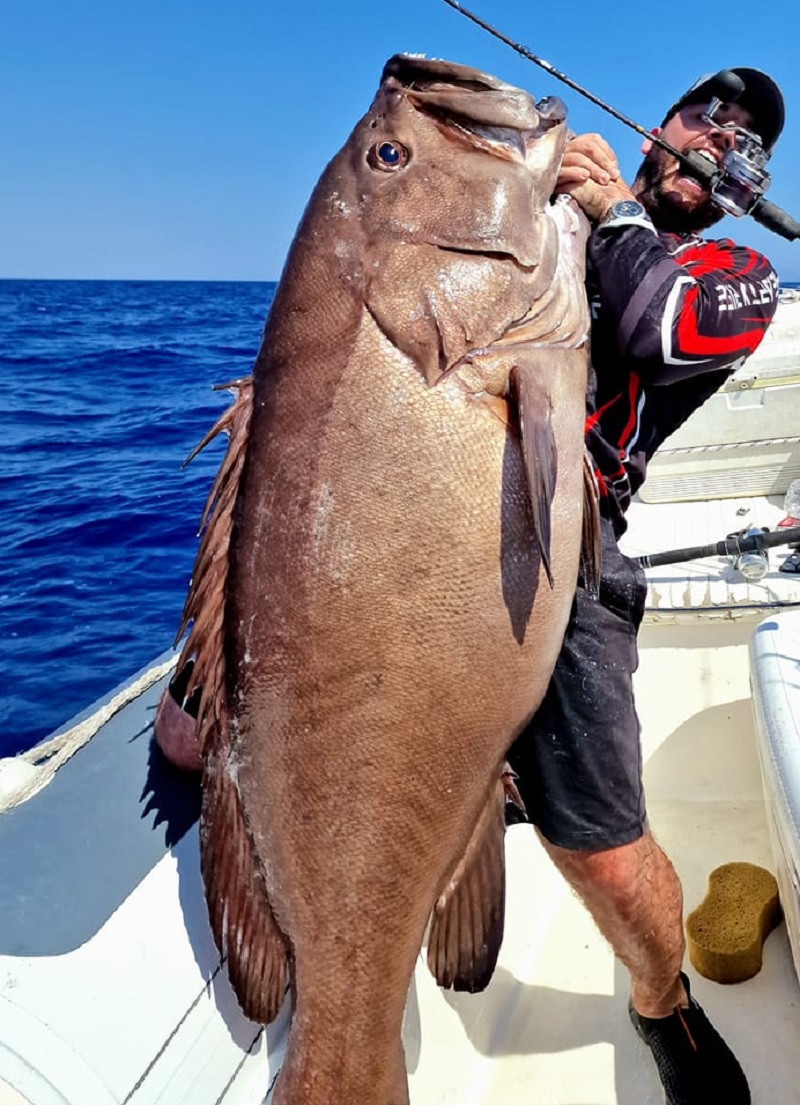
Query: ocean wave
x,y
107,387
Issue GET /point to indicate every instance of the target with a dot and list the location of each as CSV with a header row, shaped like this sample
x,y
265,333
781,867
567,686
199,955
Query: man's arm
x,y
700,310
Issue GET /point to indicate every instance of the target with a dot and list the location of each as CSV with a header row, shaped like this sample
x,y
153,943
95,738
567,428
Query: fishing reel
x,y
752,564
743,180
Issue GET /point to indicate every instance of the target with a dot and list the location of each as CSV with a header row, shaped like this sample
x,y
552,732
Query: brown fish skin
x,y
388,626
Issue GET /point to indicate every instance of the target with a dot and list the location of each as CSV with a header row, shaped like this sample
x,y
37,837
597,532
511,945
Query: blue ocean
x,y
107,386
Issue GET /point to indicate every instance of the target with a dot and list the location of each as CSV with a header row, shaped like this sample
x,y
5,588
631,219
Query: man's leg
x,y
635,898
579,767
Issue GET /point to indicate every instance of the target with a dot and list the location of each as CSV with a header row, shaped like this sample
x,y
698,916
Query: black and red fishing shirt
x,y
672,317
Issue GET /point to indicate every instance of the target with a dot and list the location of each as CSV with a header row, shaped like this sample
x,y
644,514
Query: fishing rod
x,y
753,540
737,188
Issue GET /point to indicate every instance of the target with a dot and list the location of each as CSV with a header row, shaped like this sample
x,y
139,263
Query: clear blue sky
x,y
178,139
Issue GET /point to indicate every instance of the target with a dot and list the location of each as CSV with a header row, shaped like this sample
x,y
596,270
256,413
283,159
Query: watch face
x,y
627,209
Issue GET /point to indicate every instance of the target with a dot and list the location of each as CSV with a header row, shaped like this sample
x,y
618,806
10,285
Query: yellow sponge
x,y
726,932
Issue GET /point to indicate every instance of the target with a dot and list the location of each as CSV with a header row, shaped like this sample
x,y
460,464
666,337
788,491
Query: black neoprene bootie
x,y
695,1065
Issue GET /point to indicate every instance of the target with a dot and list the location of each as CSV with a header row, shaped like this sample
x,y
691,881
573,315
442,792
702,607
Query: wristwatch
x,y
627,213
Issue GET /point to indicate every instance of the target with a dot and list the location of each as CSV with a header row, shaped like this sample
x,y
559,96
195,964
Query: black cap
x,y
760,96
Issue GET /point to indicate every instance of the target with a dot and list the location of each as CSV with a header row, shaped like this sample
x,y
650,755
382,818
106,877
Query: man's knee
x,y
621,872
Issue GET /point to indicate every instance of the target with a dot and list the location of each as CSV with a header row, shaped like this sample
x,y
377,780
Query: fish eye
x,y
387,156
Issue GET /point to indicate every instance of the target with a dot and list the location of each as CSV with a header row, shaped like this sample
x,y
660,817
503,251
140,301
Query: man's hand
x,y
590,174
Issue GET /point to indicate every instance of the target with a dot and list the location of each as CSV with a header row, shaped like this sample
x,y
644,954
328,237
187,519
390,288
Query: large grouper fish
x,y
389,557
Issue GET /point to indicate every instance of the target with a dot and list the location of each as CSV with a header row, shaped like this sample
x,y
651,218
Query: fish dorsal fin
x,y
469,915
539,454
590,536
241,917
205,602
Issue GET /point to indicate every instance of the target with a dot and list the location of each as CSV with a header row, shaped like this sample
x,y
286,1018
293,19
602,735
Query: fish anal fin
x,y
469,915
539,454
241,917
590,536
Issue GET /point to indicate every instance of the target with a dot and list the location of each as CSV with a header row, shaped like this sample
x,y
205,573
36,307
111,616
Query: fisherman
x,y
673,315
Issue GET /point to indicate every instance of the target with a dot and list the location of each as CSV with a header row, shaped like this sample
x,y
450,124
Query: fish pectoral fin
x,y
240,913
469,915
590,536
539,453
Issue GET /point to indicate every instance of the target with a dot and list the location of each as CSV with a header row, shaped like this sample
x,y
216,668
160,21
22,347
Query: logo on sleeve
x,y
733,296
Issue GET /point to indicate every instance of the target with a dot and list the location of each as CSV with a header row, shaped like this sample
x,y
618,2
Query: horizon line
x,y
136,280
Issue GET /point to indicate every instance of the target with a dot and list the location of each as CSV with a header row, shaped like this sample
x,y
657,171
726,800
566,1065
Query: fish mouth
x,y
505,142
472,106
421,72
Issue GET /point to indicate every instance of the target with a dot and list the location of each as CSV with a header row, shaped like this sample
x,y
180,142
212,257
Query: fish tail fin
x,y
205,601
539,453
469,916
240,913
590,537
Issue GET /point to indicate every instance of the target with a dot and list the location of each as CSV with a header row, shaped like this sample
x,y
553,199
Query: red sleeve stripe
x,y
691,341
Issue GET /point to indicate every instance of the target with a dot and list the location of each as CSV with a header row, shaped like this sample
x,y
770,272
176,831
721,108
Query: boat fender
x,y
18,780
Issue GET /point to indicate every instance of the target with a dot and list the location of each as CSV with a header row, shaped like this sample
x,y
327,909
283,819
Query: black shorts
x,y
579,760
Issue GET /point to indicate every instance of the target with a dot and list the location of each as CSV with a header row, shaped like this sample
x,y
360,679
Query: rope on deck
x,y
24,775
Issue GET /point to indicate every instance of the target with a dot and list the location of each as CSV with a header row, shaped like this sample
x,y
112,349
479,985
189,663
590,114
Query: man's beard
x,y
667,215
